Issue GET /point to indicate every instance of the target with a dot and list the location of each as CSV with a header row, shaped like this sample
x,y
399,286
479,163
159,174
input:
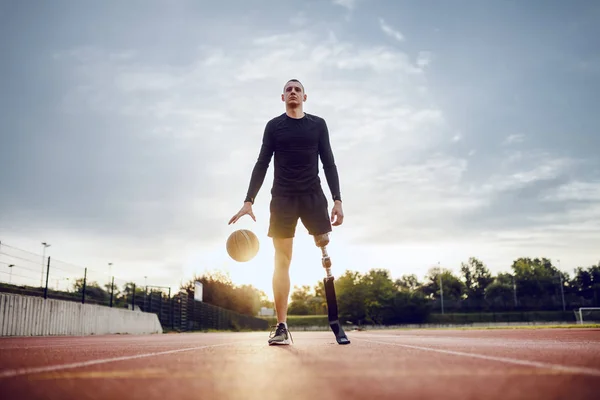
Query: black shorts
x,y
311,209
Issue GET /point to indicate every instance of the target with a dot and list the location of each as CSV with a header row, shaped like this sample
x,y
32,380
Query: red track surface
x,y
440,364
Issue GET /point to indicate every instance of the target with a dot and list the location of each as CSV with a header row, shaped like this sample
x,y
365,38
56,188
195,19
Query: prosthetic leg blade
x,y
332,311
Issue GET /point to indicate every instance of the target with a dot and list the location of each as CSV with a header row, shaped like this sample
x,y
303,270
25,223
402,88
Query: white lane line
x,y
537,364
493,341
88,345
25,371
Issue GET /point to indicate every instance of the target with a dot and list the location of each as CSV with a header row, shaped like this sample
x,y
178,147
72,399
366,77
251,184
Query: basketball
x,y
242,245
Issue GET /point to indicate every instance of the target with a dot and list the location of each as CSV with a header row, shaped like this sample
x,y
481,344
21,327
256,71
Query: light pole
x,y
43,259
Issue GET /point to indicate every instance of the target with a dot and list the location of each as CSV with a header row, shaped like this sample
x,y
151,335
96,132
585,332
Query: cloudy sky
x,y
465,128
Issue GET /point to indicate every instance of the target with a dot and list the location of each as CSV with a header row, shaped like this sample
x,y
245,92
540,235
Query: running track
x,y
413,364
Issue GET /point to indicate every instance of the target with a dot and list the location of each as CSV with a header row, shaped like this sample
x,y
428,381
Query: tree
x,y
351,293
115,289
538,282
246,300
586,284
299,301
319,302
218,290
408,282
93,291
380,292
453,287
410,307
264,300
477,277
500,293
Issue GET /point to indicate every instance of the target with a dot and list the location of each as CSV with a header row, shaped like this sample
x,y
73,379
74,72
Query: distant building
x,y
266,312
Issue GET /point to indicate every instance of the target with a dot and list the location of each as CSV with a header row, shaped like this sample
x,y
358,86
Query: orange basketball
x,y
242,245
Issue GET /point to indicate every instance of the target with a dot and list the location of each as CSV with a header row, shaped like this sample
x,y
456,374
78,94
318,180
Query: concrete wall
x,y
36,316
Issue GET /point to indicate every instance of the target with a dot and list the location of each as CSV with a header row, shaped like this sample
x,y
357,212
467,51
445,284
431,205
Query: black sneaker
x,y
281,336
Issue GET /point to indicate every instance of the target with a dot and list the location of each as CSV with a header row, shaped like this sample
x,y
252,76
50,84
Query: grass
x,y
514,327
544,320
451,328
456,319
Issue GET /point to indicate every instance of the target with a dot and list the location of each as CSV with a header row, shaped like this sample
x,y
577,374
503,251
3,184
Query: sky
x,y
460,129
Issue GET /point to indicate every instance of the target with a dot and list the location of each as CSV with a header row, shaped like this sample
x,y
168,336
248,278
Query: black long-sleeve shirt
x,y
297,144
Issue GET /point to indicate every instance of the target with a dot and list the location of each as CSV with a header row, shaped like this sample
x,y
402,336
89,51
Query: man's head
x,y
293,93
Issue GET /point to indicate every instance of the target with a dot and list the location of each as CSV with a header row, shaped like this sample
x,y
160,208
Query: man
x,y
297,140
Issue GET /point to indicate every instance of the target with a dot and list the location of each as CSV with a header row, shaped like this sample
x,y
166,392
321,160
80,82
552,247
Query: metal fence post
x,y
133,298
47,275
112,290
84,284
172,310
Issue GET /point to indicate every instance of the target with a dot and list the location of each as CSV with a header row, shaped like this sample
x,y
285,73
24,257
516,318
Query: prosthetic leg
x,y
332,309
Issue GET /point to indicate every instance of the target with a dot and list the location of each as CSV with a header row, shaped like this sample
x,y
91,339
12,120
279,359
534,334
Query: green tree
x,y
319,301
218,290
408,282
299,301
351,294
586,285
453,287
380,293
410,307
115,289
538,283
246,300
476,277
93,291
500,293
264,300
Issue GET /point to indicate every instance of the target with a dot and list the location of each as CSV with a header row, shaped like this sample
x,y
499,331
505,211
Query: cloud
x,y
532,202
349,4
299,19
523,168
424,58
516,138
138,146
161,152
417,198
182,143
434,196
576,191
391,32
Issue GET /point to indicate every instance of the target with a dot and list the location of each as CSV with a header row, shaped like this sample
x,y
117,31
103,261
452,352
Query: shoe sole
x,y
285,342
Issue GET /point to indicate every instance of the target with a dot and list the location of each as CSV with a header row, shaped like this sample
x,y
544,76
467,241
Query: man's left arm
x,y
329,167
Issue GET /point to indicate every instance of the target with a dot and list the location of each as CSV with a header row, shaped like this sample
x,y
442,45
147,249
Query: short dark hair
x,y
294,80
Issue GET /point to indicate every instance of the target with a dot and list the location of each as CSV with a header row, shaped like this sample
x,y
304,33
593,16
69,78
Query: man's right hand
x,y
246,209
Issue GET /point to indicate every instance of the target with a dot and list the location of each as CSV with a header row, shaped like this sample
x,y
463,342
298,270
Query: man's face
x,y
293,94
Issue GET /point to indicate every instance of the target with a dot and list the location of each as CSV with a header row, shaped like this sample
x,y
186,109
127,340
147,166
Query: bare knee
x,y
283,252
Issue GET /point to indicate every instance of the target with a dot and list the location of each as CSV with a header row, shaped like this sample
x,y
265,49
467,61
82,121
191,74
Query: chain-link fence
x,y
26,273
